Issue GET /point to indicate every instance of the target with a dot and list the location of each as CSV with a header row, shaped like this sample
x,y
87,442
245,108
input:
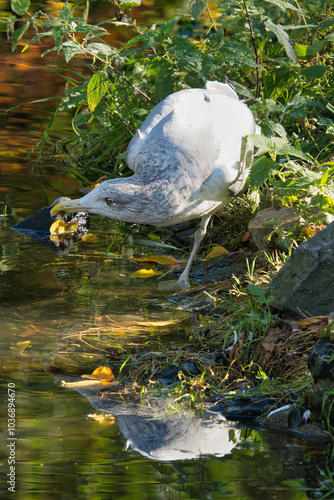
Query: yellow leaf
x,y
216,251
164,260
103,419
103,373
314,323
89,238
156,323
309,231
21,346
58,237
145,273
61,227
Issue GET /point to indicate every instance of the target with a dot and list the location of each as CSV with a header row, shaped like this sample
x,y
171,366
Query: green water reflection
x,y
62,453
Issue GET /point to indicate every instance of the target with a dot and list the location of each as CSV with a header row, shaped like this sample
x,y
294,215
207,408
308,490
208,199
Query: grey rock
x,y
260,226
305,284
321,360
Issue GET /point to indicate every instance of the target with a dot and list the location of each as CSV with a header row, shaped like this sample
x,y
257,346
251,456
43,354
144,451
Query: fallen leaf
x,y
145,273
246,237
314,324
103,419
61,227
156,323
215,252
103,373
21,346
91,385
164,260
311,231
58,237
89,238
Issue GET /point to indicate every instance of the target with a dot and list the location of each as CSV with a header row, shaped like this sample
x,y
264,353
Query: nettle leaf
x,y
168,26
100,48
58,34
327,23
283,39
313,72
315,47
51,24
287,5
20,6
127,5
276,146
270,127
97,89
72,100
216,40
36,37
18,35
260,171
83,118
71,48
197,8
65,14
238,54
184,49
301,50
10,25
89,28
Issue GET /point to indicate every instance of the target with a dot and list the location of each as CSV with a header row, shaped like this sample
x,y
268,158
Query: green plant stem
x,y
109,65
254,50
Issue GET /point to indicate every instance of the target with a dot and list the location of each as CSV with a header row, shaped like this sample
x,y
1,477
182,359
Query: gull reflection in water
x,y
156,433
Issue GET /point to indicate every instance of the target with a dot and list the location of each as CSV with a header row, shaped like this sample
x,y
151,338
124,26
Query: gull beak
x,y
66,207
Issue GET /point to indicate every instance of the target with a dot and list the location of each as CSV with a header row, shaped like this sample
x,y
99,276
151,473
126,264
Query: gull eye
x,y
109,202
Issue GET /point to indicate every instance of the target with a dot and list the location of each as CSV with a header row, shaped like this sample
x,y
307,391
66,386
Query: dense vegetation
x,y
277,54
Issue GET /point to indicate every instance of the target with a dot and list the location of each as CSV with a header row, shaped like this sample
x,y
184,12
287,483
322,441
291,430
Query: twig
x,y
254,50
134,87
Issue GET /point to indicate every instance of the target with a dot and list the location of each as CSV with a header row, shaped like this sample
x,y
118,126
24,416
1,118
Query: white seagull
x,y
190,156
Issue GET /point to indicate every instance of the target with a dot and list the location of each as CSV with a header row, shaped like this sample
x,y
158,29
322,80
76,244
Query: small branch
x,y
212,21
134,87
254,50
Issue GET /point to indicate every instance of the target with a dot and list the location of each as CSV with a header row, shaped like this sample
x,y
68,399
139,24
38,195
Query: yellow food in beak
x,y
66,207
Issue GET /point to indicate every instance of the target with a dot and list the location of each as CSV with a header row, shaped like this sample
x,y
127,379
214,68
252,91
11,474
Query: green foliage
x,y
276,53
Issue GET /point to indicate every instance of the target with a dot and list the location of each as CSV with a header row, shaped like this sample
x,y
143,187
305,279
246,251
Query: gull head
x,y
117,198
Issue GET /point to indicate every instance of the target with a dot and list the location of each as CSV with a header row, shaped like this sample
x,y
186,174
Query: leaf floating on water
x,y
145,273
216,251
103,373
21,346
61,227
88,385
158,323
165,260
89,238
102,419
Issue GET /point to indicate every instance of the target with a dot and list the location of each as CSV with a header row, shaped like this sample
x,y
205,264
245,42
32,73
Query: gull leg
x,y
199,235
